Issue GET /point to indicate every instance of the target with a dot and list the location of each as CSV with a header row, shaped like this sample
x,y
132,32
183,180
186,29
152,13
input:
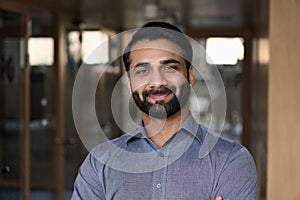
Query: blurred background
x,y
253,43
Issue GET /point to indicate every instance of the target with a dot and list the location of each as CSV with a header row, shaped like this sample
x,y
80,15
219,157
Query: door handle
x,y
5,170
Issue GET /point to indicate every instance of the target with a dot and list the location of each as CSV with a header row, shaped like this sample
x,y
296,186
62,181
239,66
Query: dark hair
x,y
160,30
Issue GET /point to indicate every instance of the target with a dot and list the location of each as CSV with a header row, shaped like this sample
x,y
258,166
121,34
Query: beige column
x,y
283,164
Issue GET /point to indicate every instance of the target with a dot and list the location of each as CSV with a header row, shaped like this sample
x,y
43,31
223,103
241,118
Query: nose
x,y
157,79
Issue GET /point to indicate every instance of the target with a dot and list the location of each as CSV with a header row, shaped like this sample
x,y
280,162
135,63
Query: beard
x,y
161,109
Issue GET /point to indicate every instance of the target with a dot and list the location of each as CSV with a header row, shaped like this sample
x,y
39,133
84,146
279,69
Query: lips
x,y
159,97
155,95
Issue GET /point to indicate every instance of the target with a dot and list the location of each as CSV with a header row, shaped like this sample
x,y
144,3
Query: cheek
x,y
138,84
139,91
178,83
177,78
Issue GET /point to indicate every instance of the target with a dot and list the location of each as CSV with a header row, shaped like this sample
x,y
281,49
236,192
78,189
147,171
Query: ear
x,y
191,76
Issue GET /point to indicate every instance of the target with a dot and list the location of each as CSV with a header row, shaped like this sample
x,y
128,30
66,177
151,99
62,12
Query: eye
x,y
141,71
170,68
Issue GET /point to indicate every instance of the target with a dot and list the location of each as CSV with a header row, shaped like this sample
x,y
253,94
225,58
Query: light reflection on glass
x,y
224,51
41,51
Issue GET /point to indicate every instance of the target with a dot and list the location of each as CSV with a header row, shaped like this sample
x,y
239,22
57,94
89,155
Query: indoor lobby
x,y
47,62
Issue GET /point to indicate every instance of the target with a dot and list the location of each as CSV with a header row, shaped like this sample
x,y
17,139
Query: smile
x,y
160,96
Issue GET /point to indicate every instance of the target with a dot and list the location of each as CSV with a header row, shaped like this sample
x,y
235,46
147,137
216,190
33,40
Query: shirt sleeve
x,y
88,184
238,178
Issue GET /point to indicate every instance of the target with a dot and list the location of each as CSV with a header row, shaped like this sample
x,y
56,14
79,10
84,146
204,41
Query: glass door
x,y
13,107
46,175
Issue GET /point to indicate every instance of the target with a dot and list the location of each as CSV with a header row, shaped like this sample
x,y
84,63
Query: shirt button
x,y
161,154
158,185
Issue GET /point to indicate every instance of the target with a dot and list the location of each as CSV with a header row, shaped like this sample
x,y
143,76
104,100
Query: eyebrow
x,y
169,61
142,64
163,62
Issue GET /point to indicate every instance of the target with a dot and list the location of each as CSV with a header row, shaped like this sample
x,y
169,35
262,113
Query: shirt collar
x,y
189,125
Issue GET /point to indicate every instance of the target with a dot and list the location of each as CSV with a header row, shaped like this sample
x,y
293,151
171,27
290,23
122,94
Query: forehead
x,y
159,45
154,51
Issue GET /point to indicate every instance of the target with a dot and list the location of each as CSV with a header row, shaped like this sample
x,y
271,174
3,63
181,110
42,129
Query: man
x,y
160,159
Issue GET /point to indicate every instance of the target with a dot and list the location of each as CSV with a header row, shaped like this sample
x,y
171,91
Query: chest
x,y
186,178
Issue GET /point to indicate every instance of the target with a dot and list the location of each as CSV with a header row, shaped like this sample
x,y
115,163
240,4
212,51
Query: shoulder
x,y
233,165
105,150
235,170
221,149
215,142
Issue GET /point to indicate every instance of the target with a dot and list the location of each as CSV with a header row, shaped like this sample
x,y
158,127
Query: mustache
x,y
158,91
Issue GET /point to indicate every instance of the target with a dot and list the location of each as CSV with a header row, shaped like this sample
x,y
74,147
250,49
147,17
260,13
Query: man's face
x,y
158,78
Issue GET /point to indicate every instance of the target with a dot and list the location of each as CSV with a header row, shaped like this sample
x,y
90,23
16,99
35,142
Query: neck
x,y
161,130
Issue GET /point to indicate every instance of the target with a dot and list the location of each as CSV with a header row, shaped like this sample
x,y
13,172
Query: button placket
x,y
160,176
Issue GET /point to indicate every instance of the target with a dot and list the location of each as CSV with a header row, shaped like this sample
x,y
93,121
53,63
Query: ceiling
x,y
196,14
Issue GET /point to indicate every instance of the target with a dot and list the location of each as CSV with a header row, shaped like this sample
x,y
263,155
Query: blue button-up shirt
x,y
194,164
